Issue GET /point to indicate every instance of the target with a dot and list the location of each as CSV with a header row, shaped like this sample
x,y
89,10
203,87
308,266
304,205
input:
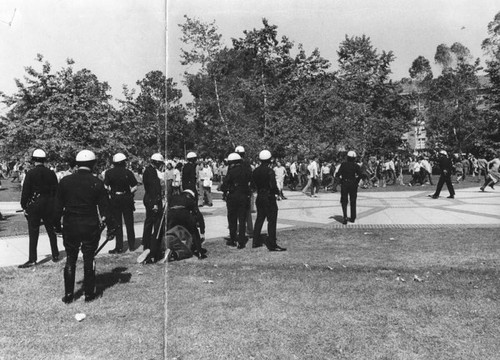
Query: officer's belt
x,y
177,207
120,192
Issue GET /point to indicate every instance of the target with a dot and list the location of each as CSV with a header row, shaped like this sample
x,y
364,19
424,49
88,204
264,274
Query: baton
x,y
108,238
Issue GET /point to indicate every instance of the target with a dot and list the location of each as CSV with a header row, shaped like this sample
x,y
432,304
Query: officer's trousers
x,y
81,232
349,194
41,210
267,208
123,206
238,206
442,180
152,231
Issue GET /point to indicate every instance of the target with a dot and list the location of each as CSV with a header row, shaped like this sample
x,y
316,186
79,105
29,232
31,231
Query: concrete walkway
x,y
400,209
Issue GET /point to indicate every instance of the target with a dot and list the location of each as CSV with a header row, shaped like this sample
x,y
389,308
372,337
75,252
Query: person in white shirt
x,y
206,176
312,182
280,173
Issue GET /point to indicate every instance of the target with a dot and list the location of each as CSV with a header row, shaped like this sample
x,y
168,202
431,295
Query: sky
x,y
408,28
120,41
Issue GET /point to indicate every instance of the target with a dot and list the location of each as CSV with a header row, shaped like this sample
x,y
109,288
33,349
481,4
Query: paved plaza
x,y
398,209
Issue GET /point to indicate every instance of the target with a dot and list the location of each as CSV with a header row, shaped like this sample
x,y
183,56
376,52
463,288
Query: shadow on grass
x,y
107,280
337,218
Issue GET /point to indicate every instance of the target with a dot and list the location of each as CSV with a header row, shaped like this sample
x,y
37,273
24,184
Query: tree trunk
x,y
220,112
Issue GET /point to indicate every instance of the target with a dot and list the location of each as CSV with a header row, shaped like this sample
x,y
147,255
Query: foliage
x,y
60,112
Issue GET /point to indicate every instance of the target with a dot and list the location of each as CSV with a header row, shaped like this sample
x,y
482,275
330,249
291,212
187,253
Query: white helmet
x,y
233,157
157,157
443,152
119,157
265,155
351,154
191,155
190,192
239,149
39,153
85,155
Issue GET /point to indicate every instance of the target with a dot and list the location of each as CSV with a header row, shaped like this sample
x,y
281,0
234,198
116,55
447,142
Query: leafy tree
x,y
375,115
453,114
61,112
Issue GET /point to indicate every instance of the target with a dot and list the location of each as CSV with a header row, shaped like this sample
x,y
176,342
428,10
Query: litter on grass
x,y
80,316
417,279
208,281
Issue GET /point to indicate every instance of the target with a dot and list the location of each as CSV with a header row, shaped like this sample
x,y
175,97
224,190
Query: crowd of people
x,y
79,201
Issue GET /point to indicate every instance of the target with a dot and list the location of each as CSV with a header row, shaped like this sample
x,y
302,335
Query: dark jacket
x,y
264,180
152,188
39,181
238,178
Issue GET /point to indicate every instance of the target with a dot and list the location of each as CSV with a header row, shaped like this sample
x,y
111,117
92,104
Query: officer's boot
x,y
344,211
69,284
89,284
282,196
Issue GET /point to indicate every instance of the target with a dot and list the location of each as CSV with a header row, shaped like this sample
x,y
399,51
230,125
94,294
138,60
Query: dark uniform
x,y
37,199
349,174
446,168
267,207
121,181
78,197
189,178
153,202
236,189
184,211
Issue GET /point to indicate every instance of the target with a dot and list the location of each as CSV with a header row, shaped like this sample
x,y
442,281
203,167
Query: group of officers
x,y
86,205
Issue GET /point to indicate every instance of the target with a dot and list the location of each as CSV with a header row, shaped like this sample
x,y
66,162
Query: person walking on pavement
x,y
267,207
83,204
237,190
37,201
493,174
446,168
153,203
189,181
121,184
349,174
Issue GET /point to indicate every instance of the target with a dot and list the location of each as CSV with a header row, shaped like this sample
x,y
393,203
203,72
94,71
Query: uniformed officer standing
x,y
267,206
236,188
153,202
446,168
78,198
240,150
189,180
37,201
349,174
122,185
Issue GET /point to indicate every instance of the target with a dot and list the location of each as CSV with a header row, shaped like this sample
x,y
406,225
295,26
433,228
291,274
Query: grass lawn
x,y
126,322
340,294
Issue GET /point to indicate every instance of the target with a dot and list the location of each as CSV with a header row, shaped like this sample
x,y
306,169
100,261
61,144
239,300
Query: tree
x,y
453,114
375,115
60,112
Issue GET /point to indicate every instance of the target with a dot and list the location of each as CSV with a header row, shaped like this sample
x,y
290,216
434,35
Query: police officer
x,y
267,207
122,185
446,168
189,181
349,174
37,201
240,150
83,203
236,189
184,211
153,202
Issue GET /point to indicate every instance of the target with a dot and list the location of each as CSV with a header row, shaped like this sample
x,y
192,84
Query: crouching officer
x,y
349,174
236,189
267,206
184,211
84,205
122,185
37,201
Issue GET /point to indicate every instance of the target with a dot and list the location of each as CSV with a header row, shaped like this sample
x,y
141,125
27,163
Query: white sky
x,y
121,40
118,40
408,28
